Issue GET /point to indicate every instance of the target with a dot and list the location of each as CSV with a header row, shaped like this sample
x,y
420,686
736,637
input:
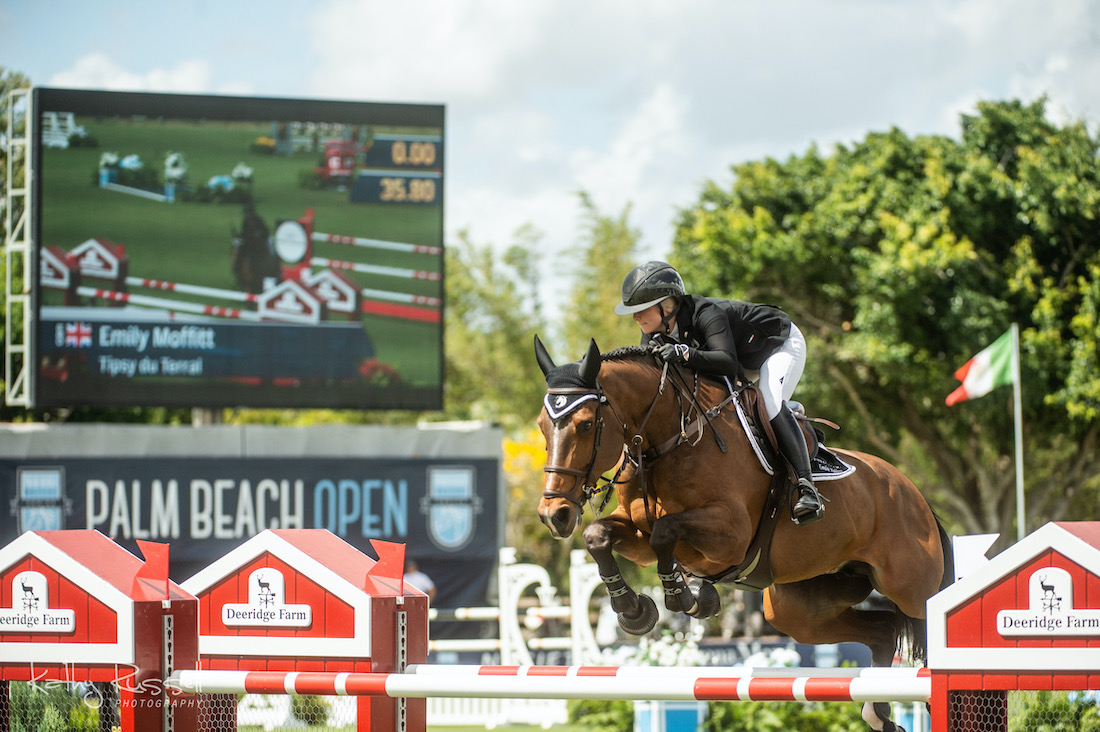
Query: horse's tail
x,y
913,632
948,556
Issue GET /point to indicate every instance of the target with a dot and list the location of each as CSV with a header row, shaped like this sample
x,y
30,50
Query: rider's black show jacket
x,y
729,335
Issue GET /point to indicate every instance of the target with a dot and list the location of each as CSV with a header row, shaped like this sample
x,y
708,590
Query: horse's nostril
x,y
563,519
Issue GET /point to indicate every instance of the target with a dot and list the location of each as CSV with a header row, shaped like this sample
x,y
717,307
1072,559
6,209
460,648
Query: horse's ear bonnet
x,y
543,357
590,364
578,379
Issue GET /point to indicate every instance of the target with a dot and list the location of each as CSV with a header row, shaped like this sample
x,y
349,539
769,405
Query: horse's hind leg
x,y
637,614
819,610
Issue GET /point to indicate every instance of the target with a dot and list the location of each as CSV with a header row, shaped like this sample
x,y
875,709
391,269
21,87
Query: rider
x,y
721,337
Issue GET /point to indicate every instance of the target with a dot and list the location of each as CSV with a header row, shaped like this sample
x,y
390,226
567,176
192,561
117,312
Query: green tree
x,y
901,258
492,316
605,254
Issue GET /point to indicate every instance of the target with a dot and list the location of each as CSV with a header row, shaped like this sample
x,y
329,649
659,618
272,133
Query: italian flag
x,y
992,367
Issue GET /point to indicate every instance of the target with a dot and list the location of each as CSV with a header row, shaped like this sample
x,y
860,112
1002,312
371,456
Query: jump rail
x,y
175,305
414,274
359,241
578,682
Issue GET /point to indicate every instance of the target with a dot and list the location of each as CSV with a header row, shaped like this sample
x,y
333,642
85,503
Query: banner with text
x,y
444,510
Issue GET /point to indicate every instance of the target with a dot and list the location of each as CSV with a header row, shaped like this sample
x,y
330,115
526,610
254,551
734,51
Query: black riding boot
x,y
808,507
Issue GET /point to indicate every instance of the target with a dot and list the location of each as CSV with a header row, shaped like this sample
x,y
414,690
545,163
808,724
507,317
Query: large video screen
x,y
219,251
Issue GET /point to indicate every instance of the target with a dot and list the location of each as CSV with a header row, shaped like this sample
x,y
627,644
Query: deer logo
x,y
30,600
266,594
1050,599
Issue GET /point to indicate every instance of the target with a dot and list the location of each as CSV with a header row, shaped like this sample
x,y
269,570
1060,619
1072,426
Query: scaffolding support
x,y
18,260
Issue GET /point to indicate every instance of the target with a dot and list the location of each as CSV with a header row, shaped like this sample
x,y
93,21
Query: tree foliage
x,y
492,316
901,258
597,264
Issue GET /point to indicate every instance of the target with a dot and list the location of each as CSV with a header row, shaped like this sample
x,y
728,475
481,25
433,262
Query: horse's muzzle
x,y
560,516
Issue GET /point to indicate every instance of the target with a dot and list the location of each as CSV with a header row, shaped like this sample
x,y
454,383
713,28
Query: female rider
x,y
733,339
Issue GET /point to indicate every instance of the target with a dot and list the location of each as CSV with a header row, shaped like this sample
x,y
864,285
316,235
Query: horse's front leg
x,y
637,614
667,531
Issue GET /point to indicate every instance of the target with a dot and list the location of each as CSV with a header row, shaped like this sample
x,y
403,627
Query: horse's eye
x,y
585,426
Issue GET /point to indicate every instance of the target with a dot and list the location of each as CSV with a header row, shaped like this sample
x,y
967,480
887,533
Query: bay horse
x,y
691,501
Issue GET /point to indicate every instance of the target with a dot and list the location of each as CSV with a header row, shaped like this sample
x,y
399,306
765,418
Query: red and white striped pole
x,y
174,305
583,682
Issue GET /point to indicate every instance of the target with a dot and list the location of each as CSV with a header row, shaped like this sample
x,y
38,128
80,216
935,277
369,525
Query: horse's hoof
x,y
706,598
644,620
877,715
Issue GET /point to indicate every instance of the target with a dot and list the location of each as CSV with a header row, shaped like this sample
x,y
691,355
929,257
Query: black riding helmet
x,y
648,284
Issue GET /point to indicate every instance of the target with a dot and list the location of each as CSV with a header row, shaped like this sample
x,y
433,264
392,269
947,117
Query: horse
x,y
692,491
252,260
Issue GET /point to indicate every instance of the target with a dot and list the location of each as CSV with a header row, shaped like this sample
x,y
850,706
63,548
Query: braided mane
x,y
626,353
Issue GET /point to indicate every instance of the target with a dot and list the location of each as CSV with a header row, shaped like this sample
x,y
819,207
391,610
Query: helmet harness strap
x,y
665,318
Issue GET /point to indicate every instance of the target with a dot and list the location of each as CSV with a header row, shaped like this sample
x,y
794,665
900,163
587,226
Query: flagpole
x,y
1018,412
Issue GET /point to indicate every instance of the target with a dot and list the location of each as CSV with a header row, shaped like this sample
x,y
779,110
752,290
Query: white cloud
x,y
98,71
418,50
1034,49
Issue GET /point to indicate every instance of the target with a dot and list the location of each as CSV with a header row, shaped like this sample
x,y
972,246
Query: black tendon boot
x,y
808,507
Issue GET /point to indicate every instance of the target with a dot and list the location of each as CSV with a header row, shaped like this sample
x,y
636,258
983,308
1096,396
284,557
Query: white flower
x,y
132,162
175,167
223,182
774,658
108,160
242,172
667,650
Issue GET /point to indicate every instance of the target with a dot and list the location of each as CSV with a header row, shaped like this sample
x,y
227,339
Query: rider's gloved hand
x,y
672,352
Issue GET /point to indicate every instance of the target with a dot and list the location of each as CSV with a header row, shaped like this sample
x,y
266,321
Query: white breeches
x,y
780,374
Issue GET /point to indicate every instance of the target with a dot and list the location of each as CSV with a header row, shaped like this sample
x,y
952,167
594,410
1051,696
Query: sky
x,y
636,102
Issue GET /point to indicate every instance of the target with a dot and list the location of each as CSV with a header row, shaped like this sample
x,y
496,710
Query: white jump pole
x,y
414,274
359,241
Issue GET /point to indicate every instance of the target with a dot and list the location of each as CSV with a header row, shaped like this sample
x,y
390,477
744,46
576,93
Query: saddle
x,y
754,573
824,464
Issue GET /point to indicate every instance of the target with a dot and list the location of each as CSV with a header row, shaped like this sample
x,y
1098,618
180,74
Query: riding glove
x,y
673,352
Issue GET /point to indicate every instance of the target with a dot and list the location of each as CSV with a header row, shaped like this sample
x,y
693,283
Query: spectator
x,y
419,580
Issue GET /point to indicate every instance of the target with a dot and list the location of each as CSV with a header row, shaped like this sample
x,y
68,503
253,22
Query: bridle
x,y
585,484
585,481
